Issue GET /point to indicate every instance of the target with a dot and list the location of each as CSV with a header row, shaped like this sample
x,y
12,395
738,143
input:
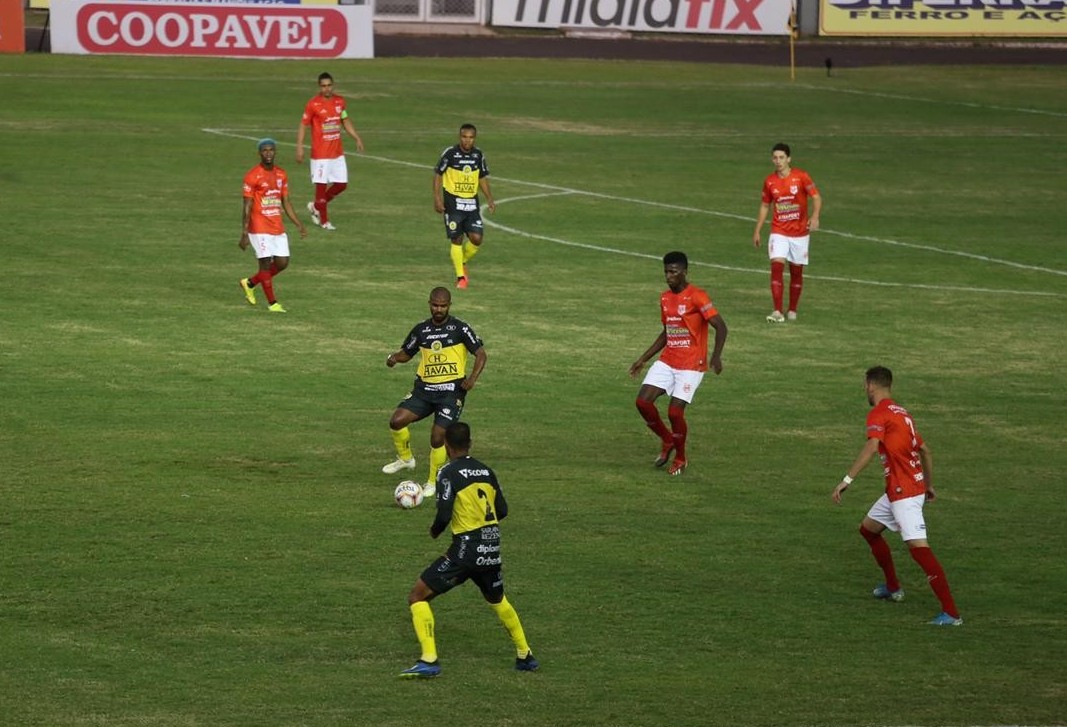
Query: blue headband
x,y
266,142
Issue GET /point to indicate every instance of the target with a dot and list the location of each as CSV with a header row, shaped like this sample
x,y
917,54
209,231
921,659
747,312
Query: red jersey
x,y
898,446
266,189
324,116
685,318
788,197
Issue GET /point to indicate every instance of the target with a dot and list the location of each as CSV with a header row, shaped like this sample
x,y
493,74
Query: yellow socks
x,y
402,442
422,620
438,457
469,250
510,619
456,253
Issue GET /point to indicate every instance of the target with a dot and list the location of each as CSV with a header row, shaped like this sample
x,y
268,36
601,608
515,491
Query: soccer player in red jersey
x,y
266,194
686,312
326,115
789,190
906,464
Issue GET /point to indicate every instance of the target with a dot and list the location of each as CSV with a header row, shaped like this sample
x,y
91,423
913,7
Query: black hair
x,y
780,146
676,258
458,435
880,376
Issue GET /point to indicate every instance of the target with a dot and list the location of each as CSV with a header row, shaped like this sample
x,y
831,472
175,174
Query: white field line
x,y
940,101
555,190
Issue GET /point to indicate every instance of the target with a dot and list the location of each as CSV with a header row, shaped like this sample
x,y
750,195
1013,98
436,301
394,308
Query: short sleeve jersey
x,y
685,317
266,188
469,498
788,197
325,117
898,447
461,171
442,352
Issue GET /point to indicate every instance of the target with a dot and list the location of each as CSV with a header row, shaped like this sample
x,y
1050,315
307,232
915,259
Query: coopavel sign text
x,y
217,29
731,17
1030,18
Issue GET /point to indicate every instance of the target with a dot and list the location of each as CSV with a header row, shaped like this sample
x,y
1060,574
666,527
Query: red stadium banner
x,y
227,29
12,27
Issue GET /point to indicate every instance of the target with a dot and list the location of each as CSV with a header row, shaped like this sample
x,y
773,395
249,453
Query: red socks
x,y
796,285
321,198
883,556
651,416
266,279
677,416
777,285
935,576
335,189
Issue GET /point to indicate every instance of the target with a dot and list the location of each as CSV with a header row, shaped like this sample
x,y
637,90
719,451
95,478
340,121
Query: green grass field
x,y
195,531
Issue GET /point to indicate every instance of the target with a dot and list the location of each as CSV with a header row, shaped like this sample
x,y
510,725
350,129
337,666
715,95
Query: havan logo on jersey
x,y
437,364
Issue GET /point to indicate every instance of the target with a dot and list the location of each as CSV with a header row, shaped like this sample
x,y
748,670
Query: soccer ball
x,y
408,494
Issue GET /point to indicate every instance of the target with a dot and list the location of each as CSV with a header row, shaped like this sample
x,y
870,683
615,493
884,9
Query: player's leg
x,y
491,583
409,411
320,179
446,412
656,382
777,250
871,530
473,228
422,621
909,514
337,181
679,434
798,258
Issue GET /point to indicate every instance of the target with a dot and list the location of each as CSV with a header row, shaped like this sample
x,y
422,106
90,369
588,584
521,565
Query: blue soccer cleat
x,y
421,670
884,594
527,663
943,619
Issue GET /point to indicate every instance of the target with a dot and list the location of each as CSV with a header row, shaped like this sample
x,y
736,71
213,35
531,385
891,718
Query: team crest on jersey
x,y
793,189
681,309
467,169
435,346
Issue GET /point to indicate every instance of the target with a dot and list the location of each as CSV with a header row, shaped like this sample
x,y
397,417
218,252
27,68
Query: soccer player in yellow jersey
x,y
442,343
459,175
469,499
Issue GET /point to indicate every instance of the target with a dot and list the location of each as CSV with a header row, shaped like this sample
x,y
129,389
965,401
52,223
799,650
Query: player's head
x,y
440,302
676,270
325,84
458,437
467,134
267,149
781,156
879,383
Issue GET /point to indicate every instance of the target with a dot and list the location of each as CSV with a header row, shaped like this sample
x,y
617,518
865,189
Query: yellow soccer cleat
x,y
276,308
250,294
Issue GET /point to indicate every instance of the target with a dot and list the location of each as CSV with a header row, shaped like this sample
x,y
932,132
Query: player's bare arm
x,y
928,469
397,357
354,134
813,221
438,200
483,183
761,218
300,132
246,215
480,359
721,330
866,454
291,214
656,347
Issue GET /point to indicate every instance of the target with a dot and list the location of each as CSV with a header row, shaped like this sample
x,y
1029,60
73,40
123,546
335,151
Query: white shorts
x,y
902,516
327,171
793,249
269,245
679,383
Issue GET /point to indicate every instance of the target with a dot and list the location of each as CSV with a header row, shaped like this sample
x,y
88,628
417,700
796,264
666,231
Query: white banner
x,y
727,17
230,29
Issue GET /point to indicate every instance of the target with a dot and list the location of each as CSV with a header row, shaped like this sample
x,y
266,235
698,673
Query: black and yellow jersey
x,y
442,351
469,498
461,170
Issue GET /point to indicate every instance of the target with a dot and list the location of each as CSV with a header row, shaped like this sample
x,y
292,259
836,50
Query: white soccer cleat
x,y
429,490
400,464
791,315
776,317
314,213
328,226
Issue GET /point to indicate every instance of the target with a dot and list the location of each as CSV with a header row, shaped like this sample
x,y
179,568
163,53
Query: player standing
x,y
907,467
326,114
686,312
441,383
266,194
460,173
469,500
789,190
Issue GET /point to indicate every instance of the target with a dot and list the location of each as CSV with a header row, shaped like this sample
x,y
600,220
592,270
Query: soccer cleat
x,y
882,593
791,315
400,464
314,213
328,226
276,308
776,317
677,467
421,670
527,663
429,489
250,294
461,282
943,619
664,455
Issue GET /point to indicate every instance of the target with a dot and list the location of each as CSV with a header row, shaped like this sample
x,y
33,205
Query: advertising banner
x,y
1027,18
227,29
12,27
724,17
